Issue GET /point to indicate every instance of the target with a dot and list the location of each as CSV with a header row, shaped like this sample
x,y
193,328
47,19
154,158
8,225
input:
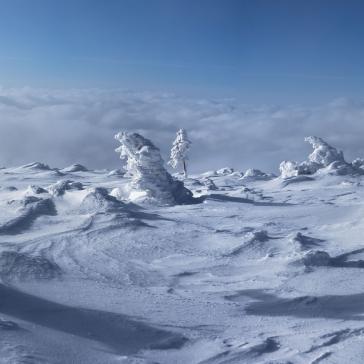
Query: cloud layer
x,y
65,127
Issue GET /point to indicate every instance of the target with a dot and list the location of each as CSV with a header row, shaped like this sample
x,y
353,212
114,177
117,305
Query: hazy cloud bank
x,y
64,127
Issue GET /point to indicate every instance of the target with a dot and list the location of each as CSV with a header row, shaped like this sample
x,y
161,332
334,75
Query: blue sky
x,y
272,51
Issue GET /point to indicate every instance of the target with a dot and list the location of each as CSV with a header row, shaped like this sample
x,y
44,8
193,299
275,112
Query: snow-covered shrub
x,y
324,158
150,181
59,188
225,171
179,151
288,169
358,163
323,154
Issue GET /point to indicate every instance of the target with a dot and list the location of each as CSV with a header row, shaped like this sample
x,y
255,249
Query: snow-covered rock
x,y
150,181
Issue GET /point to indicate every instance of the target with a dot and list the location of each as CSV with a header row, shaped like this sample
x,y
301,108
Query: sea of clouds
x,y
61,127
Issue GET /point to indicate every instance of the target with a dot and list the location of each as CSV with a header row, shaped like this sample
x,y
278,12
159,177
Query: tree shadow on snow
x,y
119,332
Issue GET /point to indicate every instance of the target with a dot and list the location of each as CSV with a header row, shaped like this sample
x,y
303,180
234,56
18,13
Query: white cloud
x,y
63,127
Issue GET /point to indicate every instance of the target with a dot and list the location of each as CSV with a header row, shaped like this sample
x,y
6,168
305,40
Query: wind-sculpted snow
x,y
324,158
98,200
74,168
36,166
255,273
22,266
27,211
59,188
151,183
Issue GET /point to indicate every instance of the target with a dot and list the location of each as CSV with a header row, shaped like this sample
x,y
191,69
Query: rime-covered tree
x,y
150,181
179,151
324,159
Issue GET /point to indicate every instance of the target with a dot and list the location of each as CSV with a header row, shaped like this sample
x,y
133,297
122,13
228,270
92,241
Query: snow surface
x,y
263,270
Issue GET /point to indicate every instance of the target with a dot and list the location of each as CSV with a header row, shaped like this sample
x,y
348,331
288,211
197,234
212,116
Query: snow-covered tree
x,y
150,181
323,153
324,159
179,151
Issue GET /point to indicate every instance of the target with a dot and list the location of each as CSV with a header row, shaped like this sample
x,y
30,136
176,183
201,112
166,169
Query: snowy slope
x,y
264,270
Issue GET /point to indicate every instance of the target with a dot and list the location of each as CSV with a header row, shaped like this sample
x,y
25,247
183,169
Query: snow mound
x,y
59,188
256,174
37,166
325,159
150,183
98,200
29,208
21,266
74,168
